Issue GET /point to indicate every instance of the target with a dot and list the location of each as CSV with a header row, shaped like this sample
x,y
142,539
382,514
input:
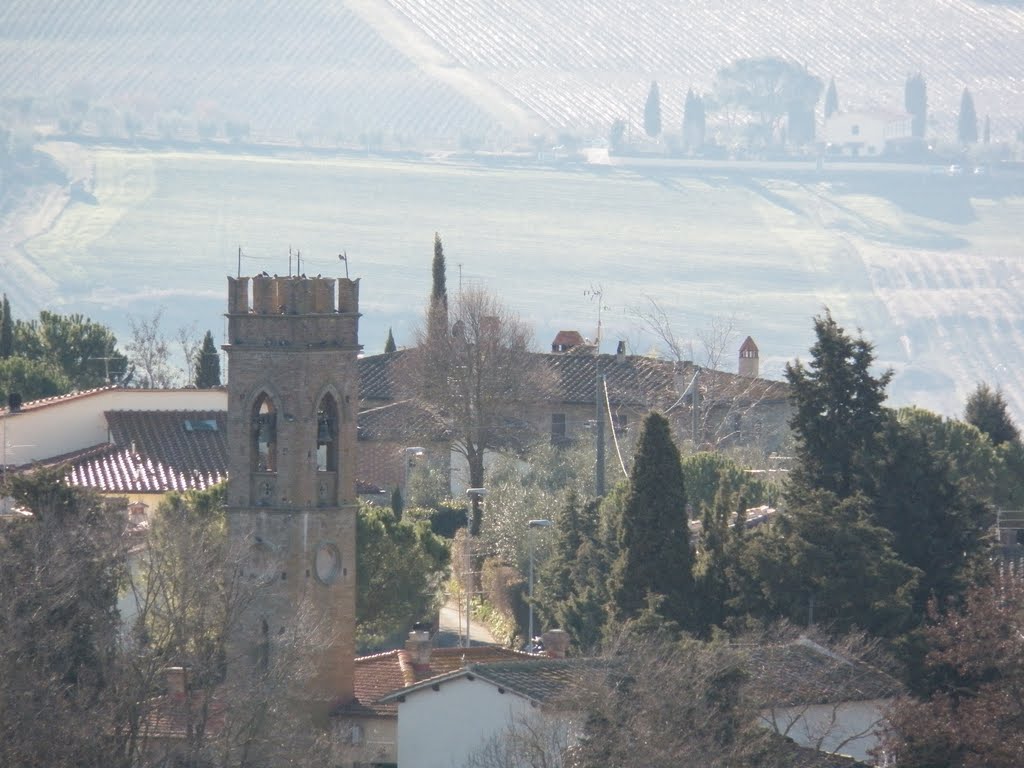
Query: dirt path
x,y
394,27
453,622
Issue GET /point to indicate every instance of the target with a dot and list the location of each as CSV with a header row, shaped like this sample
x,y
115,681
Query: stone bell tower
x,y
293,393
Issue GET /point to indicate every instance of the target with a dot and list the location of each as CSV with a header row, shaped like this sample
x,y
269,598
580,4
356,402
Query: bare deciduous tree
x,y
473,378
149,352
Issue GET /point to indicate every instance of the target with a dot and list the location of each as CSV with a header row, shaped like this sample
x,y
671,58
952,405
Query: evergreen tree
x,y
937,526
967,122
207,364
915,100
6,330
825,561
986,409
397,504
653,537
831,99
838,415
439,289
652,111
389,345
694,124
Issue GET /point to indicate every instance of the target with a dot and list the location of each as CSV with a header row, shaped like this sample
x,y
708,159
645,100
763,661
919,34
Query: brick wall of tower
x,y
295,340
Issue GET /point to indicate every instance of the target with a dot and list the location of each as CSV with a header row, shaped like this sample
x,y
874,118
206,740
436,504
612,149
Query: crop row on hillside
x,y
564,58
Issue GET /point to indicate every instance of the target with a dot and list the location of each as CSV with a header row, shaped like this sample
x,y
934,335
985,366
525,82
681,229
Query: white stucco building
x,y
865,134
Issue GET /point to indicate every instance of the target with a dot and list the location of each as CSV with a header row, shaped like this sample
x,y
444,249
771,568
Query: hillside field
x,y
929,268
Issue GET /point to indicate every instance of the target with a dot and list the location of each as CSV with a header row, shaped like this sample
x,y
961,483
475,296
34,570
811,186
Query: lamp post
x,y
473,494
533,525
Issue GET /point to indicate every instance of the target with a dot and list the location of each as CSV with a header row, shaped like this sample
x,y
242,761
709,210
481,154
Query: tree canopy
x,y
967,120
915,101
987,410
768,88
838,415
207,364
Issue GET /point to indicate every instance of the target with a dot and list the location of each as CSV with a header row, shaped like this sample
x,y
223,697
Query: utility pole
x,y
599,432
695,404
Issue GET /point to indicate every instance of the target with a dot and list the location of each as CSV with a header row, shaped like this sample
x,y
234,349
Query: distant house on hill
x,y
866,134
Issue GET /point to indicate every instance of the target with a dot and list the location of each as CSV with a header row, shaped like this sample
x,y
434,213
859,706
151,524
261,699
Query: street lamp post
x,y
473,494
533,525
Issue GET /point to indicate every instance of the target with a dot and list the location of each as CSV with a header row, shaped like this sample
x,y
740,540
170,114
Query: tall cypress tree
x,y
207,364
389,345
831,99
6,330
652,533
915,100
652,111
439,290
967,122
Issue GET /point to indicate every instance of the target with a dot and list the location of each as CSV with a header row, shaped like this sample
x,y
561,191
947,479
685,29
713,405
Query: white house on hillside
x,y
865,134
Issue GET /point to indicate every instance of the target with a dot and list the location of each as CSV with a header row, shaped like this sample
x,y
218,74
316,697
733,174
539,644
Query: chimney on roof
x,y
620,352
556,643
748,359
418,647
177,680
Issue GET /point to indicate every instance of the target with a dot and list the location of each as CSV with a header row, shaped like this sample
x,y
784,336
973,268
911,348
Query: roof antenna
x,y
343,256
596,291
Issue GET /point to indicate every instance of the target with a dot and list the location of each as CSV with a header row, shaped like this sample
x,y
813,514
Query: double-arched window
x,y
264,434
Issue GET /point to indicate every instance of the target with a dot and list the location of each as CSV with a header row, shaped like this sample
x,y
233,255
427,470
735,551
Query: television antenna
x,y
596,292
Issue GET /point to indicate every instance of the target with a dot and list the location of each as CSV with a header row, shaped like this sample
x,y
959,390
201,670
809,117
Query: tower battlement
x,y
296,313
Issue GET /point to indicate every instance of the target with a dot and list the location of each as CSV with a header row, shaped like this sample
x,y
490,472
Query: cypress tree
x,y
207,364
439,290
915,100
6,330
967,122
652,111
693,121
831,99
652,533
389,345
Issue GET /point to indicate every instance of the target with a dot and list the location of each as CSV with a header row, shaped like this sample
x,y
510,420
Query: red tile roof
x,y
383,673
175,716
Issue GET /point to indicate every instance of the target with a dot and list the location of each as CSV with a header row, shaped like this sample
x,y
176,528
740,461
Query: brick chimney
x,y
556,643
418,647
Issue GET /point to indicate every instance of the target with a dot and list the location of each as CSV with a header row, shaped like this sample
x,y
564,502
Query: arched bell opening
x,y
327,435
264,435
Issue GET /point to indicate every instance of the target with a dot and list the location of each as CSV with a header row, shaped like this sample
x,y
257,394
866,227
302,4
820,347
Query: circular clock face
x,y
327,563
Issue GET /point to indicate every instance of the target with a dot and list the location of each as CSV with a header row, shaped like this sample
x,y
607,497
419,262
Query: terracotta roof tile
x,y
172,716
383,673
803,672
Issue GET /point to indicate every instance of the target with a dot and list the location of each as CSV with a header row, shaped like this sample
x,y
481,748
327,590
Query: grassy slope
x,y
931,275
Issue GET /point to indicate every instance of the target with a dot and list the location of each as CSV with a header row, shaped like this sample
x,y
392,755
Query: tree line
x,y
55,354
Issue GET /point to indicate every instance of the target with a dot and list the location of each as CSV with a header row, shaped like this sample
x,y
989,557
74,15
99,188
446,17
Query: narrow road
x,y
452,627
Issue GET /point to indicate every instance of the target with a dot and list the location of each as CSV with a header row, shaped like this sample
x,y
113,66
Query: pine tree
x,y
652,111
967,122
397,503
6,330
838,414
831,99
652,533
986,409
915,100
207,364
389,345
